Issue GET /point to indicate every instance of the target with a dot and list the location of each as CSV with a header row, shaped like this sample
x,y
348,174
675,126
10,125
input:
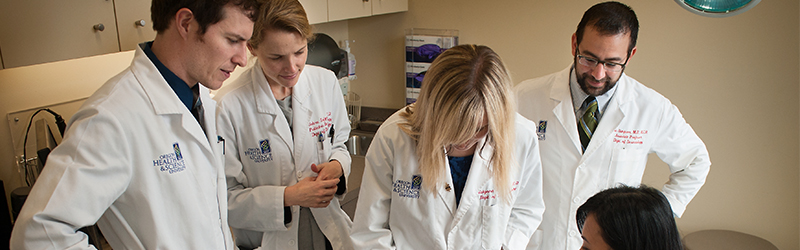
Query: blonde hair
x,y
284,15
462,86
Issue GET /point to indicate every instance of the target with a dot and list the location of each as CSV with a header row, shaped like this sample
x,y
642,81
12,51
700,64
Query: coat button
x,y
572,233
291,242
576,200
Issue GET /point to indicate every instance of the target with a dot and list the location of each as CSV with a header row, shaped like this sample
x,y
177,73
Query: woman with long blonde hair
x,y
458,169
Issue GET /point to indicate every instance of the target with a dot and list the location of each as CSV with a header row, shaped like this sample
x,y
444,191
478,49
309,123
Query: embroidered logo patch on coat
x,y
264,144
171,162
263,153
408,189
177,150
542,129
416,181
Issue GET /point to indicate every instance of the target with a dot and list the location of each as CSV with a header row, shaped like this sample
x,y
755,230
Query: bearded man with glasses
x,y
596,127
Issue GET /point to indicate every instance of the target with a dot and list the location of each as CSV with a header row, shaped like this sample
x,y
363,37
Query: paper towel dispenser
x,y
324,52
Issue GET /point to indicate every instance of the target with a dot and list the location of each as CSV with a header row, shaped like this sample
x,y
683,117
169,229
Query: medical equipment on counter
x,y
42,152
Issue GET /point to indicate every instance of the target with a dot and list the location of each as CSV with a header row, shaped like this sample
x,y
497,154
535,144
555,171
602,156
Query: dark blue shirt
x,y
185,94
459,169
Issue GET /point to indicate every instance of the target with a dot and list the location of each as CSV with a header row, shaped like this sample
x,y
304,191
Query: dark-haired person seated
x,y
628,218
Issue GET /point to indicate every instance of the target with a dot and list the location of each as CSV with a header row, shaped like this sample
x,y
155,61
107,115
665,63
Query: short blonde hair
x,y
462,86
284,15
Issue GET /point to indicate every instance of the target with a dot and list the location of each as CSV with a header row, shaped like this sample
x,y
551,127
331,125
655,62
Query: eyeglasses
x,y
592,62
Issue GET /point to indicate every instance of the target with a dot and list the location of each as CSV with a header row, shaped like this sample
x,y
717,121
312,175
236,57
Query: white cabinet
x,y
38,31
349,9
316,10
133,23
388,6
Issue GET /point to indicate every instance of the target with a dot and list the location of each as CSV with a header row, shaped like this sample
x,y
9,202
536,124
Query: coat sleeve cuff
x,y
677,206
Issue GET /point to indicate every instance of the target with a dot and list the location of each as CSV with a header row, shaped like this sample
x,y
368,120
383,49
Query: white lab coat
x,y
118,163
395,212
636,122
249,118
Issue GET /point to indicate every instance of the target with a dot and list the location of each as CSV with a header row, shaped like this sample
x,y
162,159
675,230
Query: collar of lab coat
x,y
480,173
613,115
266,103
265,100
165,102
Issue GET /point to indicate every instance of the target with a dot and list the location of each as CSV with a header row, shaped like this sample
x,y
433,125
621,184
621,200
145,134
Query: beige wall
x,y
735,80
45,84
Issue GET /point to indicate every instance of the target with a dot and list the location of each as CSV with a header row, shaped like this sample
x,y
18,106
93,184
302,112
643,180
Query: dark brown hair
x,y
206,12
610,18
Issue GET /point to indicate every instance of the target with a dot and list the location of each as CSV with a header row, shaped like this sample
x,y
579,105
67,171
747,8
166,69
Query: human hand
x,y
310,192
329,170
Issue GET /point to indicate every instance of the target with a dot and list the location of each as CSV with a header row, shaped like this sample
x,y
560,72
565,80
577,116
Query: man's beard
x,y
592,91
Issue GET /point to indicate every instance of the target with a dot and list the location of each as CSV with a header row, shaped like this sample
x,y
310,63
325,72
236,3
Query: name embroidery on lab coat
x,y
263,153
171,162
489,196
629,136
320,126
408,189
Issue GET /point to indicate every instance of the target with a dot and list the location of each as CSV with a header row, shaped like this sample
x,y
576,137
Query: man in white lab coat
x,y
597,125
141,157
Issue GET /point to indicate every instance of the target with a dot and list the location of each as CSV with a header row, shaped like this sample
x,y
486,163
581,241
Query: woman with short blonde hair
x,y
285,125
284,15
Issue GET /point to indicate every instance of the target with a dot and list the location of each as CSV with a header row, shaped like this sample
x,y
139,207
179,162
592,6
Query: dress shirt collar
x,y
182,90
578,96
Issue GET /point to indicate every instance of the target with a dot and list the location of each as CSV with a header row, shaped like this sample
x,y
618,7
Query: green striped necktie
x,y
588,122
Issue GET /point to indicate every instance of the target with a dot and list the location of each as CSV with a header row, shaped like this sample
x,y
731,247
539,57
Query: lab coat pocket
x,y
324,151
627,166
492,226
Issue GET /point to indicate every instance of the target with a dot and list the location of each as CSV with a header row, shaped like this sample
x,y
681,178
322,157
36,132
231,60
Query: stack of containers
x,y
422,47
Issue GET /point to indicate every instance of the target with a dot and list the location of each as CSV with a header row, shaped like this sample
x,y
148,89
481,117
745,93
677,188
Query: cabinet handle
x,y
99,27
366,1
140,23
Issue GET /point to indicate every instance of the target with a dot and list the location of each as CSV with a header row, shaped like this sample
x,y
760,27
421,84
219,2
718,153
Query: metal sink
x,y
358,143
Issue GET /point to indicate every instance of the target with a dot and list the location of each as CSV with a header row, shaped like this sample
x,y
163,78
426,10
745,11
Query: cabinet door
x,y
131,14
316,10
348,9
388,6
37,31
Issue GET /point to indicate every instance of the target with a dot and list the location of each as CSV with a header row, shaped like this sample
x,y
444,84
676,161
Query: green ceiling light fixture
x,y
717,8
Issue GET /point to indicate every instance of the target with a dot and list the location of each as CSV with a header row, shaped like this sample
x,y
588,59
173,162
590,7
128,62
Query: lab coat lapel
x,y
448,198
564,111
266,104
480,173
611,119
165,101
210,109
301,115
